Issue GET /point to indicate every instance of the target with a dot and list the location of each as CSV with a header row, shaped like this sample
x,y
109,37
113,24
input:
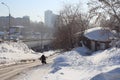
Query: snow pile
x,y
106,57
59,62
49,53
82,51
103,65
111,75
15,51
71,58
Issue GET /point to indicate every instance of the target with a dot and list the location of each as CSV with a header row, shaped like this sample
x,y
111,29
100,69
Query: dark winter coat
x,y
43,59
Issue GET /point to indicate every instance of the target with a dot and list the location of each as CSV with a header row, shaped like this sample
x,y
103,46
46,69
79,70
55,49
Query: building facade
x,y
50,18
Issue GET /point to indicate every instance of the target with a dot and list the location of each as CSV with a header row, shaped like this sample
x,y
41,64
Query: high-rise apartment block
x,y
50,18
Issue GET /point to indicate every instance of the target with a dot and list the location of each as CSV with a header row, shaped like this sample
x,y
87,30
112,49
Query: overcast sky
x,y
34,8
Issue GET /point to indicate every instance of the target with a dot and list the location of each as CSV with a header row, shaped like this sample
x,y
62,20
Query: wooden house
x,y
97,38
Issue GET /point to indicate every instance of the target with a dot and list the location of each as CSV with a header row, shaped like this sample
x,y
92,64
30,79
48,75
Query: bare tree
x,y
104,9
107,12
69,22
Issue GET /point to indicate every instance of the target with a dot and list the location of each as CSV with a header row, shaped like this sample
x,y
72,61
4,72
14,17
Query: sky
x,y
34,8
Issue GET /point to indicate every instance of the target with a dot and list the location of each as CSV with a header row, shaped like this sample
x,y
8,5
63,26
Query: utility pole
x,y
9,25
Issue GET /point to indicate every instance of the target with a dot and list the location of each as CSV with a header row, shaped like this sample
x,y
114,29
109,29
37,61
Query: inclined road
x,y
7,73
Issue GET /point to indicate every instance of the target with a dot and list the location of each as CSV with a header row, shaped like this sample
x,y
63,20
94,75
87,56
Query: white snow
x,y
111,75
99,34
76,65
50,52
103,65
12,52
35,73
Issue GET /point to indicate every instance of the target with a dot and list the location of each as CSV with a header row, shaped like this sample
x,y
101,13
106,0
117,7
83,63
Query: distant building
x,y
50,18
15,25
16,32
24,21
4,22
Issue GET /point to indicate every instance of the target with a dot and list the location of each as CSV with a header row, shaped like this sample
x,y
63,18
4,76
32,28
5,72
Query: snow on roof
x,y
99,34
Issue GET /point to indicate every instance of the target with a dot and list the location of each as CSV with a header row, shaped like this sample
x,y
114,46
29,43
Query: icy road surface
x,y
26,71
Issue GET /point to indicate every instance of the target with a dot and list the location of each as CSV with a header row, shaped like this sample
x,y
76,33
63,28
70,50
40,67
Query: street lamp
x,y
9,19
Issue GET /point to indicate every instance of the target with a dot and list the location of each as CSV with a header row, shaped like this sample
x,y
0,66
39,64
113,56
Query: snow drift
x,y
73,65
102,65
107,57
15,51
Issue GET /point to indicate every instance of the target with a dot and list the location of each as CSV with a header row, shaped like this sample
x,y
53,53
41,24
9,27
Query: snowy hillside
x,y
102,65
75,64
107,57
15,51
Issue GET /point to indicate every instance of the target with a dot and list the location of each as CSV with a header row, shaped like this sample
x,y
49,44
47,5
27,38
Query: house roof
x,y
98,34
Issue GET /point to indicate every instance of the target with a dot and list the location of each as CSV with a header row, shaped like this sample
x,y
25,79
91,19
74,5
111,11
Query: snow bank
x,y
102,65
82,51
15,51
106,57
111,75
49,53
72,58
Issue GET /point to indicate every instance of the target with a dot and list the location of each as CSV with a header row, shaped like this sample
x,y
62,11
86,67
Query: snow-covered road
x,y
30,71
10,71
13,56
35,73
